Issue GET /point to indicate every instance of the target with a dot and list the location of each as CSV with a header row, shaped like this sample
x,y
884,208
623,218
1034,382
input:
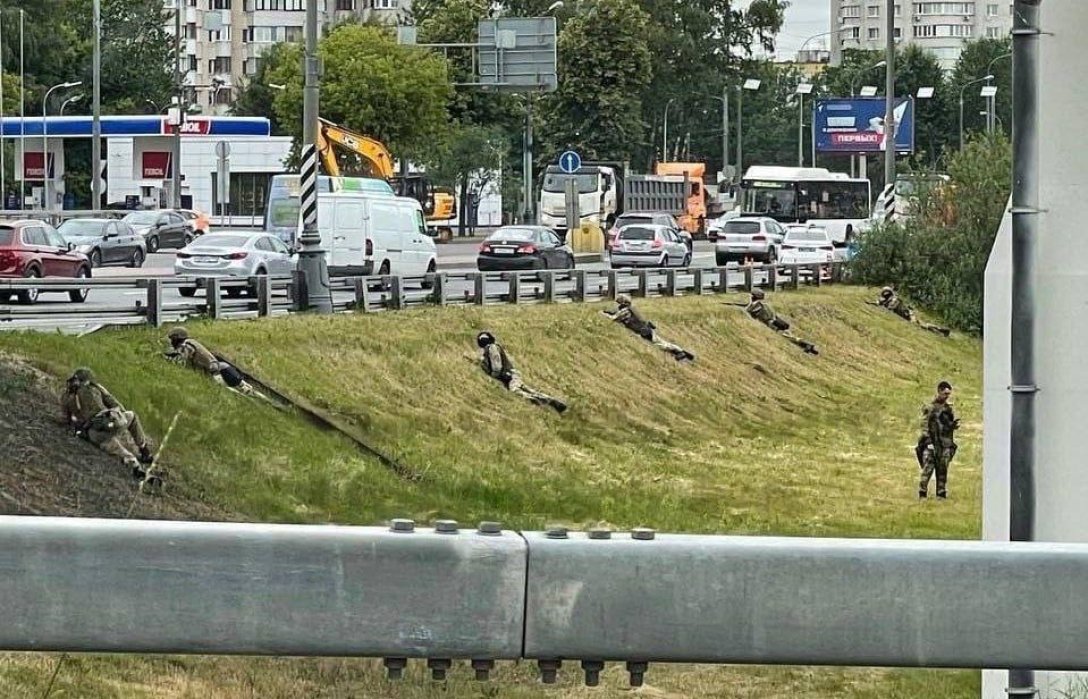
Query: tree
x,y
471,161
978,59
256,97
396,94
597,108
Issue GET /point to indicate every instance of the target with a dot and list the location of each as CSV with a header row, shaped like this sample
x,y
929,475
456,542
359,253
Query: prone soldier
x,y
759,309
185,350
890,300
626,315
496,363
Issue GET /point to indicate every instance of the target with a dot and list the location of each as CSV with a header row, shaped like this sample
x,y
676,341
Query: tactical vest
x,y
506,368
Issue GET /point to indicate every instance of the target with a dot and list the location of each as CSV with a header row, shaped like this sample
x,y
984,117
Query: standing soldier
x,y
195,355
937,444
496,364
98,417
627,316
890,300
762,311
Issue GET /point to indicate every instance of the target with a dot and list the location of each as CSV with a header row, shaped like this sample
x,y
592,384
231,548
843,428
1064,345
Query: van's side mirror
x,y
69,247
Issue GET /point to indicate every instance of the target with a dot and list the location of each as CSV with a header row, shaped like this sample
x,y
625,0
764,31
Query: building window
x,y
994,32
854,33
383,4
248,193
219,65
282,5
190,31
192,63
874,33
898,10
898,33
345,5
873,10
220,4
991,10
958,31
847,10
944,8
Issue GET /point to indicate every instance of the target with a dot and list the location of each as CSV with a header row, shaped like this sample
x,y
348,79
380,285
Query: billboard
x,y
856,125
518,54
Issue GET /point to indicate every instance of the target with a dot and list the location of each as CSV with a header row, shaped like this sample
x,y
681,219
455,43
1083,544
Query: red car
x,y
34,249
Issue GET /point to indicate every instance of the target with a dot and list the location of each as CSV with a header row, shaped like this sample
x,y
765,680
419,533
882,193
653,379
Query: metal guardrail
x,y
270,296
484,594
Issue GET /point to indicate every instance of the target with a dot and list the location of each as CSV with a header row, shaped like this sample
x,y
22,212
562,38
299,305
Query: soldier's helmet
x,y
484,339
83,375
178,335
623,300
758,294
886,292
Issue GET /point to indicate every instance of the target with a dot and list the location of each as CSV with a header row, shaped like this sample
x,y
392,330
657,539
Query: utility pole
x,y
740,132
311,258
96,118
175,196
889,96
725,130
527,161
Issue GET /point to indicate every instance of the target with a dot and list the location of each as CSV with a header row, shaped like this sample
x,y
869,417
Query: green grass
x,y
755,438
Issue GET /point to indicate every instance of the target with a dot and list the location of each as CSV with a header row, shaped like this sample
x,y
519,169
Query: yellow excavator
x,y
341,149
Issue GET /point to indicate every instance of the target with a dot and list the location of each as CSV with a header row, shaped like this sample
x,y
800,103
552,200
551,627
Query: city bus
x,y
283,211
833,200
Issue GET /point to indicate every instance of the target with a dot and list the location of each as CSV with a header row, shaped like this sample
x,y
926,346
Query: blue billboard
x,y
856,125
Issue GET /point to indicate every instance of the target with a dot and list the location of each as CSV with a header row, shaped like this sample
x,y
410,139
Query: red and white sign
x,y
863,138
193,126
155,165
32,165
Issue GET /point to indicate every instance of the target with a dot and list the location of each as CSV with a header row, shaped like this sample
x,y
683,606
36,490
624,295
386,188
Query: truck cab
x,y
599,196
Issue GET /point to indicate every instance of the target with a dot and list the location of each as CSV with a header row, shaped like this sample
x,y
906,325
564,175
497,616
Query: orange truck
x,y
675,188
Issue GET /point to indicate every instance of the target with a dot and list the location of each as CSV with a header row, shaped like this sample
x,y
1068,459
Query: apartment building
x,y
223,39
942,28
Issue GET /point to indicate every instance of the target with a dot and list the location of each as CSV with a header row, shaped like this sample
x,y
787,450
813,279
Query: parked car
x,y
748,237
806,245
161,229
240,254
105,241
524,247
34,249
199,222
657,218
649,246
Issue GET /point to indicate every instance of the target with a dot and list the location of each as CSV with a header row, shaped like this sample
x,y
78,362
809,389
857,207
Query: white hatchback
x,y
806,245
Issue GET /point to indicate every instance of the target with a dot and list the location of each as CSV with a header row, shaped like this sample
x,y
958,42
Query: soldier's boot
x,y
146,457
922,494
811,349
560,406
942,495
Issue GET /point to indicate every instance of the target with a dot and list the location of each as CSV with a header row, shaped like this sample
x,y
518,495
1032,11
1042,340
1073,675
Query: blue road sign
x,y
569,162
845,125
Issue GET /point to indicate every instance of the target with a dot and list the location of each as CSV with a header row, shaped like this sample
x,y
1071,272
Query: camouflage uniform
x,y
762,311
627,316
496,364
191,353
890,300
938,425
95,414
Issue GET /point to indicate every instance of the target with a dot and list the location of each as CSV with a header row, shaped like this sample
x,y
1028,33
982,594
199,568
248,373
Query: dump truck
x,y
600,195
675,188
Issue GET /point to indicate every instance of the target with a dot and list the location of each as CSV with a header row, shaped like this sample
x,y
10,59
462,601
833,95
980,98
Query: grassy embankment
x,y
755,438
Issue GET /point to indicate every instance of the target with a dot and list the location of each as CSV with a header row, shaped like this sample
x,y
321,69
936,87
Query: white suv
x,y
746,238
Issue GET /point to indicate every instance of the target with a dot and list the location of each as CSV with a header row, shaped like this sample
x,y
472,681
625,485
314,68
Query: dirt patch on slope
x,y
46,470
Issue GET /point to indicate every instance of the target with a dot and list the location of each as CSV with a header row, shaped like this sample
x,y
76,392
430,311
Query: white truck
x,y
600,195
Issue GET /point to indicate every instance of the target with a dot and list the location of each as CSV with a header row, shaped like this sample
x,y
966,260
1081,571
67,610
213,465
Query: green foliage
x,y
938,258
396,94
597,109
255,96
979,59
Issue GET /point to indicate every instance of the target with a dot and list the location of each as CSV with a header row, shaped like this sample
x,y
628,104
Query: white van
x,y
365,233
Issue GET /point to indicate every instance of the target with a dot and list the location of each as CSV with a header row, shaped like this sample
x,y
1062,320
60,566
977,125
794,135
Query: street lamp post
x,y
802,90
964,87
665,132
991,100
724,99
753,85
45,139
889,96
96,110
855,162
74,98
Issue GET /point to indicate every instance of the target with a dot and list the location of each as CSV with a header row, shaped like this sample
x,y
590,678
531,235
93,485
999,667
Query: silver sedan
x,y
234,255
649,245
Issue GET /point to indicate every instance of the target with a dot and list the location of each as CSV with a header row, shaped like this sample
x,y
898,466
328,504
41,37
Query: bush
x,y
938,258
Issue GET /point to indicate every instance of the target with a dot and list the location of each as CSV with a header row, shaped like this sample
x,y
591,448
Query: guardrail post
x,y
816,276
362,293
213,298
749,278
795,280
579,294
264,296
300,297
670,282
643,283
514,293
549,286
772,278
613,285
479,285
154,302
697,280
723,279
396,291
438,290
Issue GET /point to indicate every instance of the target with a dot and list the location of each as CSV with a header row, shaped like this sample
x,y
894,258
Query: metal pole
x,y
3,170
175,197
740,132
725,130
22,109
961,117
813,133
665,133
1025,211
801,130
47,205
96,111
889,95
311,259
527,161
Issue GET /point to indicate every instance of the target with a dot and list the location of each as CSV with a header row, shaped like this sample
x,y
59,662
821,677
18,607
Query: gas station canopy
x,y
132,126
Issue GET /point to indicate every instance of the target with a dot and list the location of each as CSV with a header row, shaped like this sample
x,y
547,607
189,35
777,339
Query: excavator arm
x,y
375,156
